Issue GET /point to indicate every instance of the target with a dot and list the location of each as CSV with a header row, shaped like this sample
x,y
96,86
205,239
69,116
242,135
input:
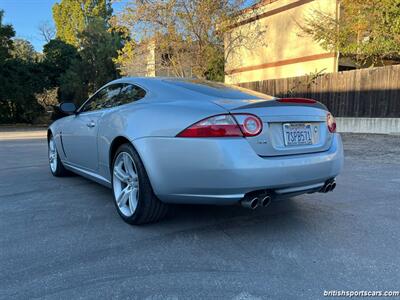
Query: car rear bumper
x,y
222,171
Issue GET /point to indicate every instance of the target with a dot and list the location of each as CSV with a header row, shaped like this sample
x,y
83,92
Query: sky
x,y
25,16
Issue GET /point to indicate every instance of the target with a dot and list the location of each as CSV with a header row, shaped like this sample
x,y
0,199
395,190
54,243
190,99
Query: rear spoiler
x,y
285,102
297,100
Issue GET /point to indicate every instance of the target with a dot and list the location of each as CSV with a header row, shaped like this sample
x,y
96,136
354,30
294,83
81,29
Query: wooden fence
x,y
373,93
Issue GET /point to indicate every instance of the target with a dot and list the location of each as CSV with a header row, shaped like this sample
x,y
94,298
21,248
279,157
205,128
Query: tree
x,y
24,50
74,83
6,34
128,59
73,16
94,67
368,31
58,57
47,31
98,47
188,34
48,97
20,79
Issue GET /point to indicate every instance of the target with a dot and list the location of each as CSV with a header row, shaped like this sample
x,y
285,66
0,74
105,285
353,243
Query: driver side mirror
x,y
67,108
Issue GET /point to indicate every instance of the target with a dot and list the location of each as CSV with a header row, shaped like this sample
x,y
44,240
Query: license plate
x,y
297,134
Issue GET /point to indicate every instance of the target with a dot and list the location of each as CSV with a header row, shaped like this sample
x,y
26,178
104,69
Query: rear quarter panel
x,y
148,119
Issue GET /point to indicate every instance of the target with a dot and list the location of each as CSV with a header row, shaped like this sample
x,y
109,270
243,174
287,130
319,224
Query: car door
x,y
80,133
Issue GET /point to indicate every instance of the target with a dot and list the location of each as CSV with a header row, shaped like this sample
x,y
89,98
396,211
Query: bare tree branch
x,y
46,31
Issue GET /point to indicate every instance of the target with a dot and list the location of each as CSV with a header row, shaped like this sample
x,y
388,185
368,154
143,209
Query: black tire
x,y
60,170
149,208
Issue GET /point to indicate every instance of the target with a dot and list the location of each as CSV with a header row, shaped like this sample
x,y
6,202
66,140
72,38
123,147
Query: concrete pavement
x,y
61,238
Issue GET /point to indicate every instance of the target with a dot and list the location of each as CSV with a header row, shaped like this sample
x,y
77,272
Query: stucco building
x,y
287,51
150,61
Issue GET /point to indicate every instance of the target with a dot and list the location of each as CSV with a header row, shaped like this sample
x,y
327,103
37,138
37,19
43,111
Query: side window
x,y
130,93
105,98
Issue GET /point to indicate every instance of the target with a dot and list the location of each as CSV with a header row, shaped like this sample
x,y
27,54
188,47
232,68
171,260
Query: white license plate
x,y
296,134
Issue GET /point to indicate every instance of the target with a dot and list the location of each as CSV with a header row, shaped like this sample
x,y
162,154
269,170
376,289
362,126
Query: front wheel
x,y
133,194
55,163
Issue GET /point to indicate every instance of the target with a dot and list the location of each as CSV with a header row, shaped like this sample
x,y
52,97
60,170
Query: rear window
x,y
216,89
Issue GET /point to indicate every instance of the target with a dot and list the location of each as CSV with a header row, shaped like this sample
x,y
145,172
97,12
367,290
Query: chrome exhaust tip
x,y
265,201
328,188
250,202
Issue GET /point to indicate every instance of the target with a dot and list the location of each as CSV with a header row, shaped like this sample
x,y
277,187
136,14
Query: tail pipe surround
x,y
265,200
250,202
329,186
254,200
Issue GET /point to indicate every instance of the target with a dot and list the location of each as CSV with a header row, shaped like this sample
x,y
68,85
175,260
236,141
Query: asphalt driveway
x,y
62,238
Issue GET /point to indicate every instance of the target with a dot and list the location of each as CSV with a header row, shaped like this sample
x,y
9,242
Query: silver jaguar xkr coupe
x,y
156,141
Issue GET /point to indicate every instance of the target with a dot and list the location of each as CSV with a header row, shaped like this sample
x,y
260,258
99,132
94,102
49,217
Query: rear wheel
x,y
56,166
133,194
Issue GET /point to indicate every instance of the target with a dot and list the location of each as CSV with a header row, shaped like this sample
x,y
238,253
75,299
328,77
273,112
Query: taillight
x,y
217,126
236,125
249,124
331,122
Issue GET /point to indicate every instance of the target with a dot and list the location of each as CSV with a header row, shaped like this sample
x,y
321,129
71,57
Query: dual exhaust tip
x,y
328,187
253,202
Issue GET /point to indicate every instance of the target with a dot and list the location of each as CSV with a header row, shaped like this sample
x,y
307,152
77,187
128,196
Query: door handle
x,y
91,124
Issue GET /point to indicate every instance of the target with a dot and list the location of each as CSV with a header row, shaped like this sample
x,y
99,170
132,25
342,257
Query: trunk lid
x,y
289,128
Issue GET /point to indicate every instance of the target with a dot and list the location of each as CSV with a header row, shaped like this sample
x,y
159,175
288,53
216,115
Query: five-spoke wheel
x,y
134,197
52,155
56,166
125,184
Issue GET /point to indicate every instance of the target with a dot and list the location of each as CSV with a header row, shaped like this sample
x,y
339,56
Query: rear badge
x,y
262,142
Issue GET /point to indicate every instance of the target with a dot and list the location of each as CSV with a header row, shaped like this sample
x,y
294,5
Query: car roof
x,y
184,87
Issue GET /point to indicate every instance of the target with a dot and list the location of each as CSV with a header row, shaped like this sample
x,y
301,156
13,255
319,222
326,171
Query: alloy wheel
x,y
52,155
125,184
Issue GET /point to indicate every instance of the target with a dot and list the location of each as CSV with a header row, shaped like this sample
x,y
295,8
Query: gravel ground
x,y
62,238
376,147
